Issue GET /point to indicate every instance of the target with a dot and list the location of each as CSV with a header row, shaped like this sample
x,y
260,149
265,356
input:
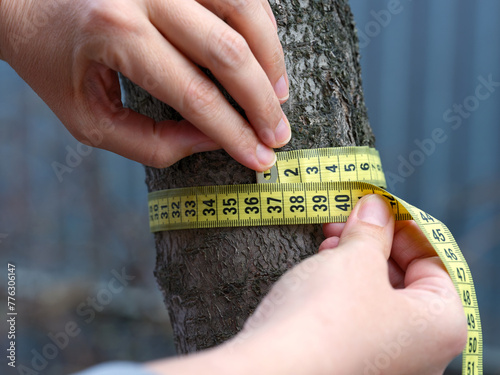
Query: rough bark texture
x,y
213,279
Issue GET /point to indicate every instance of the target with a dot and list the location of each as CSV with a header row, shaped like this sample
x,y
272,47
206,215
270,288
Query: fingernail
x,y
374,210
283,133
281,89
265,156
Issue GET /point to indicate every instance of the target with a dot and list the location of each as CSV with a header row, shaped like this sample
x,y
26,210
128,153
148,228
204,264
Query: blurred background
x,y
426,67
74,221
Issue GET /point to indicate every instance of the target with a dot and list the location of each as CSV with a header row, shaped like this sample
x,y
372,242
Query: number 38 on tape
x,y
316,186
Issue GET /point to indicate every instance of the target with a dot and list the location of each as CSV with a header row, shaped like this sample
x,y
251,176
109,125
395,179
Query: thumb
x,y
156,144
370,226
107,124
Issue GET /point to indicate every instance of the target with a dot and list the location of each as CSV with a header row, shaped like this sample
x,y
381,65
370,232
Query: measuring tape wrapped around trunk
x,y
313,187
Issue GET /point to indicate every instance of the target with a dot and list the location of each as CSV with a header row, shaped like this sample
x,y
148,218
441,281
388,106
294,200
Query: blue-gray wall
x,y
424,73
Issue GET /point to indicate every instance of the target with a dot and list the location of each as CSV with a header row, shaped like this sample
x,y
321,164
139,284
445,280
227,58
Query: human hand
x,y
376,299
69,53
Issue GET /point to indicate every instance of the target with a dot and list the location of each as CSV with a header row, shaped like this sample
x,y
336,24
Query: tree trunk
x,y
213,279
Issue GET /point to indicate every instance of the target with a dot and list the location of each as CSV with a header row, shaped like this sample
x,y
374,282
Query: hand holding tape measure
x,y
316,186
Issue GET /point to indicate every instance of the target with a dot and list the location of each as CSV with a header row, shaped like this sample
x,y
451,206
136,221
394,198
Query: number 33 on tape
x,y
313,187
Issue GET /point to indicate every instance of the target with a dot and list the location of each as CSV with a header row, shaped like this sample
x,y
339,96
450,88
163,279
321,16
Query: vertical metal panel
x,y
428,61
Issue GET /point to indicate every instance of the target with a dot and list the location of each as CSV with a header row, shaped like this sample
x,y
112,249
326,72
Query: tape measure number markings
x,y
447,248
260,204
284,197
215,206
326,164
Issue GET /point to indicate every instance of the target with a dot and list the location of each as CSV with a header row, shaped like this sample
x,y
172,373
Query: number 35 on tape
x,y
313,187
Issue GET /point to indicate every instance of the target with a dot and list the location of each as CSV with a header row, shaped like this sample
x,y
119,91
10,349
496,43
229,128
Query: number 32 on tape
x,y
313,187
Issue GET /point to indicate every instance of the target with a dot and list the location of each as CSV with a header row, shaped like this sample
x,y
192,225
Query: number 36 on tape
x,y
313,187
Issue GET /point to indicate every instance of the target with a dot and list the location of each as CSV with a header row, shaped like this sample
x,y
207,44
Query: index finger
x,y
417,259
254,20
409,244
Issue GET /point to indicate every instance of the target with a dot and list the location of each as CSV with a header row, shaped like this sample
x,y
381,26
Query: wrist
x,y
221,360
293,346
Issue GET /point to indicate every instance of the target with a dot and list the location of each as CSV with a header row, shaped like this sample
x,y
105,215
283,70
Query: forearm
x,y
270,350
216,361
242,358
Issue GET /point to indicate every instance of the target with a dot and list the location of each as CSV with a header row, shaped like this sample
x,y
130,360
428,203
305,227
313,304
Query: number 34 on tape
x,y
313,187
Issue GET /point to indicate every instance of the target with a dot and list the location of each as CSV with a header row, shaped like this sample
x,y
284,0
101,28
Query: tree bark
x,y
213,279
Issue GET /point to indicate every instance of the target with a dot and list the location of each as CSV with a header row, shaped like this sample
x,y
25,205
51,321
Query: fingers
x,y
211,43
417,259
370,226
183,86
410,244
250,18
422,302
396,274
434,302
159,144
426,285
161,54
329,244
332,232
333,229
270,13
130,134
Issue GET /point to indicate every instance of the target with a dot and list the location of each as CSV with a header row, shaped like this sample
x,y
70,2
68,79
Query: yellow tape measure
x,y
314,187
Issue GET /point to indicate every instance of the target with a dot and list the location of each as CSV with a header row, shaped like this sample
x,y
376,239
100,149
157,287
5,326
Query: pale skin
x,y
375,297
69,52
